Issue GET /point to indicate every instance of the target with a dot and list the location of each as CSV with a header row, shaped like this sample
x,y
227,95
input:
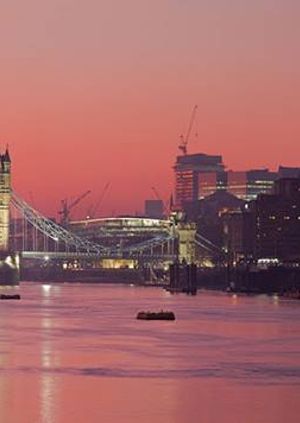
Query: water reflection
x,y
74,353
49,391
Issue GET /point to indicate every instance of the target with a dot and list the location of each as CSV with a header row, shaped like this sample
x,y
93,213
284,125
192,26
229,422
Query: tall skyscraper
x,y
188,169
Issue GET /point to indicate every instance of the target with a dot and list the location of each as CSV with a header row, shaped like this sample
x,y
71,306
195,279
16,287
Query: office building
x,y
188,170
211,182
269,227
246,185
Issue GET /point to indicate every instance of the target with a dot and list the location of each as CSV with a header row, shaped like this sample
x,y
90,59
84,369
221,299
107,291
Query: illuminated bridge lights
x,y
38,237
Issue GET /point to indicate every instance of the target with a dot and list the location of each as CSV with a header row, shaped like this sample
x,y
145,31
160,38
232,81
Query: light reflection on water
x,y
74,353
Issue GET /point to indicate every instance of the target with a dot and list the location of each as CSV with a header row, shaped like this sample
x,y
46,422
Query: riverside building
x,y
268,227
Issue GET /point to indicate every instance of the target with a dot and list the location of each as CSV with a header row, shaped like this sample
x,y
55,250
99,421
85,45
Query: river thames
x,y
74,353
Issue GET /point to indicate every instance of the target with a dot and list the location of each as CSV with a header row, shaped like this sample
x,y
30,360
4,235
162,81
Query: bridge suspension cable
x,y
207,244
53,230
150,243
68,242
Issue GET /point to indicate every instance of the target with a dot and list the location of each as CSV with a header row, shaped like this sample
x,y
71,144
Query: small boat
x,y
153,315
10,296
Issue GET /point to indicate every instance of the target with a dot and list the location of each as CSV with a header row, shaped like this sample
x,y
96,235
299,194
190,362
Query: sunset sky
x,y
97,91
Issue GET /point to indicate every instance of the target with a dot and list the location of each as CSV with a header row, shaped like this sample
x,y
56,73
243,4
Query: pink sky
x,y
99,91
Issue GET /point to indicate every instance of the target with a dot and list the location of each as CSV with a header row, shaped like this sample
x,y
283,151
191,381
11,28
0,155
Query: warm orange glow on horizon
x,y
95,92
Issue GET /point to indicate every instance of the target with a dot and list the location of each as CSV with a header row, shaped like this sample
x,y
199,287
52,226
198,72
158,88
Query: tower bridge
x,y
27,233
34,234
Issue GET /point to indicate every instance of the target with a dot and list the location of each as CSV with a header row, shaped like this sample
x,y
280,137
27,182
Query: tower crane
x,y
165,207
185,139
66,207
92,210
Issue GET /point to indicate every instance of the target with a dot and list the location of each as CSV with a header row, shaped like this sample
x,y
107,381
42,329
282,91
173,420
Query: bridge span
x,y
103,241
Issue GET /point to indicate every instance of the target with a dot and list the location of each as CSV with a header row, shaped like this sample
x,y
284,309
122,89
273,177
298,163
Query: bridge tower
x,y
5,194
186,237
9,260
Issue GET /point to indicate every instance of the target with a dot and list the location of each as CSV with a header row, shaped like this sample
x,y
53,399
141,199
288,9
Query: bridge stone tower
x,y
9,260
186,236
5,194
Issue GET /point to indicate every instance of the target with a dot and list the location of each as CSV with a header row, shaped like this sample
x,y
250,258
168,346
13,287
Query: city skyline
x,y
149,211
101,92
99,197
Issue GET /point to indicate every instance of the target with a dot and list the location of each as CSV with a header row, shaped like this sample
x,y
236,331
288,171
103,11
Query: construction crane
x,y
185,139
92,210
66,207
165,207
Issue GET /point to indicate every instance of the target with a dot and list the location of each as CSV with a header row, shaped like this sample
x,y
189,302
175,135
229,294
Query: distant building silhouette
x,y
288,172
154,209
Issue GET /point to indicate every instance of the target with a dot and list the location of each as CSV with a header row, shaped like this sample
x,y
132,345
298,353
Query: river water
x,y
74,353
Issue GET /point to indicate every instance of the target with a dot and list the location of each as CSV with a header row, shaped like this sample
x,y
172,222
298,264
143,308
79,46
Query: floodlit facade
x,y
5,194
187,247
121,231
